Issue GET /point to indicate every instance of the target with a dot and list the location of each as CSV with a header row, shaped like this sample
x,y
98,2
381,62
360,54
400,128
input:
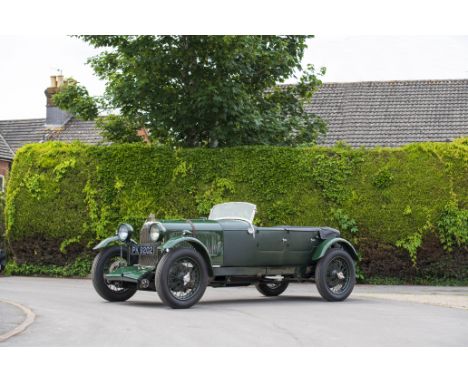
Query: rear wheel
x,y
335,275
272,288
107,261
181,278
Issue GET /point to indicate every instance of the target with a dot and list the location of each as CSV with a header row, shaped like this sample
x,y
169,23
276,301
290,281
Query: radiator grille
x,y
144,234
145,240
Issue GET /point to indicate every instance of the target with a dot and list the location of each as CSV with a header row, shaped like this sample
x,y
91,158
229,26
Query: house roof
x,y
16,133
392,113
19,132
76,130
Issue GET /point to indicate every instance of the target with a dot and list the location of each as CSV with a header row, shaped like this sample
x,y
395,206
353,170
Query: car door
x,y
239,244
271,243
300,245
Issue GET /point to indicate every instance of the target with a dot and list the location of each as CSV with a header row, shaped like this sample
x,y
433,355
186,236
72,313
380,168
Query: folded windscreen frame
x,y
233,210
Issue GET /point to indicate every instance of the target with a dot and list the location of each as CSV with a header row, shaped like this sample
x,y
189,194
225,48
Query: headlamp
x,y
125,232
154,232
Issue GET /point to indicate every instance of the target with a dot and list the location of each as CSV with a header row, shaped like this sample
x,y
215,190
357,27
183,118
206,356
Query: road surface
x,y
68,312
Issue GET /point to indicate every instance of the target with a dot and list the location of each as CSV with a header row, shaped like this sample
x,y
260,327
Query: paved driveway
x,y
69,313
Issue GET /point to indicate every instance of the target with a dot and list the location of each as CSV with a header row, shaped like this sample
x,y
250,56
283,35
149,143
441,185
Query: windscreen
x,y
233,210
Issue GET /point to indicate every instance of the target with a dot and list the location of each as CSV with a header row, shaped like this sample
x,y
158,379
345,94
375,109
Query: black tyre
x,y
103,263
181,278
335,275
272,288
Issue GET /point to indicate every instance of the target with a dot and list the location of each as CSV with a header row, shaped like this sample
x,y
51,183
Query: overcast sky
x,y
26,62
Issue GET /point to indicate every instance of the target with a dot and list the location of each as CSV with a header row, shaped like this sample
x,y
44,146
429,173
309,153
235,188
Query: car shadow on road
x,y
243,301
272,300
262,300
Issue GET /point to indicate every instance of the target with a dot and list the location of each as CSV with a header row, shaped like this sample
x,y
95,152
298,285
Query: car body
x,y
225,249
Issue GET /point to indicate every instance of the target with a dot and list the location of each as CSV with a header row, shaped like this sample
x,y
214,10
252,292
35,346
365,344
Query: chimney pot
x,y
53,81
59,80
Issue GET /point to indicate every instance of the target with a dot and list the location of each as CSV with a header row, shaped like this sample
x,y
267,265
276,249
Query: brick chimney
x,y
55,117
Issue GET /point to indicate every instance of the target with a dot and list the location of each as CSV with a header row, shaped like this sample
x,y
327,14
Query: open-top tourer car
x,y
180,258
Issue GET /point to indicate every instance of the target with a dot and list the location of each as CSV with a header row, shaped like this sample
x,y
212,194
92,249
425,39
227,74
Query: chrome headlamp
x,y
154,232
125,232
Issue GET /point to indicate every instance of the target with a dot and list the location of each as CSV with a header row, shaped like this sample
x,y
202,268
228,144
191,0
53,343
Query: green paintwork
x,y
326,244
104,243
174,226
129,274
228,243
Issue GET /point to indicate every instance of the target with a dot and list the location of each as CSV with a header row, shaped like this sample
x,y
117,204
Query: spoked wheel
x,y
335,275
181,278
271,289
107,261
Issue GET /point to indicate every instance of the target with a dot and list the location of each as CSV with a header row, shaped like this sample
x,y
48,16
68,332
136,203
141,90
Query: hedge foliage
x,y
404,208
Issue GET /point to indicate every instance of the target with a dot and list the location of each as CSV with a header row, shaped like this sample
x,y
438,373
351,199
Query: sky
x,y
27,62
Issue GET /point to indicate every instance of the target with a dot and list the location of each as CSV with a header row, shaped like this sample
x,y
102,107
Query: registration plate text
x,y
142,250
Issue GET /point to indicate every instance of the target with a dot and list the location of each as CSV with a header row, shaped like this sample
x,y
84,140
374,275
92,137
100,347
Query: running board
x,y
132,274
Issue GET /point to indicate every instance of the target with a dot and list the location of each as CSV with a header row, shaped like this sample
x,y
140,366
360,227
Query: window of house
x,y
2,183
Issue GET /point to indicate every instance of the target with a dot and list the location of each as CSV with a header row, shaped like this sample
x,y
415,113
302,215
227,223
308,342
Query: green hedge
x,y
404,208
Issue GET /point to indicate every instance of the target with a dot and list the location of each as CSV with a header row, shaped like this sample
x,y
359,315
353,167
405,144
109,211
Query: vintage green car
x,y
180,258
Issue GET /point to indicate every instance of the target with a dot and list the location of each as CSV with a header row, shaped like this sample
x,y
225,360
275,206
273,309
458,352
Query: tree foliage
x,y
209,90
75,98
117,128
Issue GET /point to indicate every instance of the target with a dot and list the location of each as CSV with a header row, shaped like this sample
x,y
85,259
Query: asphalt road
x,y
70,313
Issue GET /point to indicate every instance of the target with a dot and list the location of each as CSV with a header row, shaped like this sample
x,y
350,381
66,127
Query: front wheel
x,y
271,289
181,278
107,261
335,275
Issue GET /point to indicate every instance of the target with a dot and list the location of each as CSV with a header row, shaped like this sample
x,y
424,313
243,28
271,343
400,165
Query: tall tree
x,y
207,90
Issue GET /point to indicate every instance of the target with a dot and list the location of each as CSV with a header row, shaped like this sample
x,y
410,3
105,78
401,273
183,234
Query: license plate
x,y
143,250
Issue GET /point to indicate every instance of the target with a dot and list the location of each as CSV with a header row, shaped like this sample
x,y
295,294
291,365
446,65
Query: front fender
x,y
197,244
323,247
106,242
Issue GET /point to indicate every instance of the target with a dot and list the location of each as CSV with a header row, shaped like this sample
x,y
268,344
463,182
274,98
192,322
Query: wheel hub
x,y
337,275
183,279
186,278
